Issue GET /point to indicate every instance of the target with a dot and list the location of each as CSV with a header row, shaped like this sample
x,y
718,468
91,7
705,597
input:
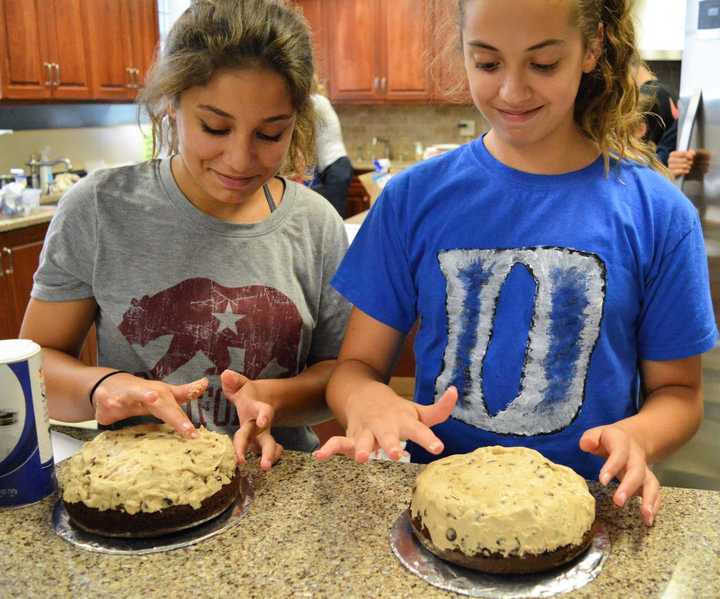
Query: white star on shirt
x,y
228,319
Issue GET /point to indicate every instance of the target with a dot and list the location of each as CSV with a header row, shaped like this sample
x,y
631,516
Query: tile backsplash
x,y
403,125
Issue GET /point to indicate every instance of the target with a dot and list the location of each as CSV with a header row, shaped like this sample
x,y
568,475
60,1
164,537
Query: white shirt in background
x,y
329,144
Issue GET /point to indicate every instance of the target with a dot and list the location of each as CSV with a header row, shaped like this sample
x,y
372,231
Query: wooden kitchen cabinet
x,y
143,19
358,199
313,11
43,50
20,255
19,258
123,37
377,50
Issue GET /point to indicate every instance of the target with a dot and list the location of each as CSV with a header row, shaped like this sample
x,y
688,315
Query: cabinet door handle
x,y
48,74
376,83
383,84
8,252
136,77
129,72
56,81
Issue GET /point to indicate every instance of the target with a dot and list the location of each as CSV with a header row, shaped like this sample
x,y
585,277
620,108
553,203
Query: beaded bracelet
x,y
102,378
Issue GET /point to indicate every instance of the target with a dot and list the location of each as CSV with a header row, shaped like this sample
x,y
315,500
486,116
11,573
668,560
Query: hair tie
x,y
101,379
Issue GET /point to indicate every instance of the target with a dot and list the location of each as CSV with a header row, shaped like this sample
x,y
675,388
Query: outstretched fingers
x,y
650,499
232,382
270,450
439,411
163,405
336,445
242,438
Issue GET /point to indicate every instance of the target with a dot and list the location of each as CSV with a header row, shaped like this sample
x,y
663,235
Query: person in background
x,y
691,163
207,274
333,167
559,281
660,108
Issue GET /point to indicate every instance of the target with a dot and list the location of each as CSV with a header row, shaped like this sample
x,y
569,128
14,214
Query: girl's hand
x,y
125,395
383,419
680,163
255,418
625,461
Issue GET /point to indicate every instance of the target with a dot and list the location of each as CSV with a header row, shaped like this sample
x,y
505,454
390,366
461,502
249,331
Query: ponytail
x,y
606,107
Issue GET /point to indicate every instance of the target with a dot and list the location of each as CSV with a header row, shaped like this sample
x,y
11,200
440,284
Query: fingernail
x,y
621,497
436,447
604,478
651,520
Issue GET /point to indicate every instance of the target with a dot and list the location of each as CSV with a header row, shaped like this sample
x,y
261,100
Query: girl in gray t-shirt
x,y
206,274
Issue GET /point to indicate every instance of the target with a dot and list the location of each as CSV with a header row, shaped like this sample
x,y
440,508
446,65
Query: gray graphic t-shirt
x,y
183,295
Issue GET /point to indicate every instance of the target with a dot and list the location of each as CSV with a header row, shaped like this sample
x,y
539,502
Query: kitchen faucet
x,y
36,165
386,143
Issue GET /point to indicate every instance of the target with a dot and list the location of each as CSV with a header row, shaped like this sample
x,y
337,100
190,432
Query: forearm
x,y
68,383
669,417
351,377
298,400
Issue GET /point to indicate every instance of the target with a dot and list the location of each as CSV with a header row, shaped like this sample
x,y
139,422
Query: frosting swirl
x,y
506,500
147,468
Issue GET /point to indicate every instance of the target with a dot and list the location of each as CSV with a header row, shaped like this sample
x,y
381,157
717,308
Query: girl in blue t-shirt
x,y
559,282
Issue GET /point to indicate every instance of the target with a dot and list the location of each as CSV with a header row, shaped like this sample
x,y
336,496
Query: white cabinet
x,y
660,28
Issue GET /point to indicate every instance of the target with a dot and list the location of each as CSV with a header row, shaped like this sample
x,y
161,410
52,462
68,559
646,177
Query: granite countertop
x,y
321,530
41,215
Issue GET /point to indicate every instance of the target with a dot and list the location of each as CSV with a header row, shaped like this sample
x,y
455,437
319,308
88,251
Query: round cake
x,y
145,481
502,510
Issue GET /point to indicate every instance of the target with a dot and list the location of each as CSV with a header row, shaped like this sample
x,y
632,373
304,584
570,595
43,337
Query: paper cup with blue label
x,y
26,458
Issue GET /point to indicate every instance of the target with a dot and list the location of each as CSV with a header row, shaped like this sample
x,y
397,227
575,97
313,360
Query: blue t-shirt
x,y
537,295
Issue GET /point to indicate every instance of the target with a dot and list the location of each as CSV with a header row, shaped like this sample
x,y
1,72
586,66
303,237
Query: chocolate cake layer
x,y
495,563
118,523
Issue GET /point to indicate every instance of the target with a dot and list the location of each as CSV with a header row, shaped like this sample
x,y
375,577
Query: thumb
x,y
189,391
590,441
232,382
440,411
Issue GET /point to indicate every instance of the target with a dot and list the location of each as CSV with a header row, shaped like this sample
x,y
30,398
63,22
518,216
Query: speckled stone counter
x,y
321,530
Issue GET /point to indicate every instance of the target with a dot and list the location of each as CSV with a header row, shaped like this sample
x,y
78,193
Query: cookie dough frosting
x,y
505,500
148,468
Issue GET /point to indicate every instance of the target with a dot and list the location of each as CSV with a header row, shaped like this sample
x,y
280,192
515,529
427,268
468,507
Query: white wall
x,y
168,12
88,148
661,28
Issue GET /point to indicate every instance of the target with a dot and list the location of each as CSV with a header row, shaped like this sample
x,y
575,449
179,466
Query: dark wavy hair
x,y
234,34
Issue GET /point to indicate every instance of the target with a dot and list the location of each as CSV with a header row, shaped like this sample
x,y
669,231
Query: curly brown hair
x,y
607,108
234,34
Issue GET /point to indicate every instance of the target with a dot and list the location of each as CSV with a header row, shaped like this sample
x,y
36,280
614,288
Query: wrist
x,y
106,374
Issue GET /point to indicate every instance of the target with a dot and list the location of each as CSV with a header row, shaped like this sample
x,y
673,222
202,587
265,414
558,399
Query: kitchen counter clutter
x,y
41,215
322,529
